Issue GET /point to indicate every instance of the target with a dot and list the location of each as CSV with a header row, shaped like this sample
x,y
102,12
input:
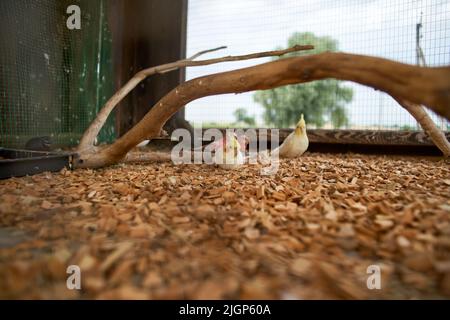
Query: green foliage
x,y
243,118
407,127
320,101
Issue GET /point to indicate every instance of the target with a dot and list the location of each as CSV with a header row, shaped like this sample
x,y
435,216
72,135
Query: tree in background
x,y
320,101
243,118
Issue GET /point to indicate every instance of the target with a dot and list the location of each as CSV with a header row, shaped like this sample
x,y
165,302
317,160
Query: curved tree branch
x,y
87,140
420,85
428,125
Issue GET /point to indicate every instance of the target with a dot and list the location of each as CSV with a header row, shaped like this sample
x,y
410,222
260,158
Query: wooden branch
x,y
88,138
427,124
198,54
427,86
154,156
157,156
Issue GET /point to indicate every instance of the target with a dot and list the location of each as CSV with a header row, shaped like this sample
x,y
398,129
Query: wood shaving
x,y
164,231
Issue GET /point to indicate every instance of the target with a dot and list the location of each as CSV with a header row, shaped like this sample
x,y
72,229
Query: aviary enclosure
x,y
123,176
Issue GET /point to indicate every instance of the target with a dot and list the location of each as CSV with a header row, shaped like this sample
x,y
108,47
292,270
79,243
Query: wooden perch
x,y
420,85
88,138
147,157
428,125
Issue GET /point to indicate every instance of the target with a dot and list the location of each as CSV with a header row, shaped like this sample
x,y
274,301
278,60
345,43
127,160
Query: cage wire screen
x,y
52,80
414,32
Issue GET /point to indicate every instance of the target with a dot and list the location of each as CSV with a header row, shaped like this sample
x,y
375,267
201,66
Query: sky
x,y
384,28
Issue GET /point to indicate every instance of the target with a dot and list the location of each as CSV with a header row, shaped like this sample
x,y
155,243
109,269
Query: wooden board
x,y
365,137
146,33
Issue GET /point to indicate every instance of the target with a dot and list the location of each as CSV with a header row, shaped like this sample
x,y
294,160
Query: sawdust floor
x,y
161,231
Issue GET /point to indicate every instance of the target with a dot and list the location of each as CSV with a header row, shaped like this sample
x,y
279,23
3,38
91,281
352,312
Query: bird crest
x,y
301,123
301,126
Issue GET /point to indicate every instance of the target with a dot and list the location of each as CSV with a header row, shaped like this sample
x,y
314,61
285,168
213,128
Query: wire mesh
x,y
381,28
52,80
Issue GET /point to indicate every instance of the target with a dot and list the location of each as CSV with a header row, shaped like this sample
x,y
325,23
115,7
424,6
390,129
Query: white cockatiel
x,y
295,144
229,151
